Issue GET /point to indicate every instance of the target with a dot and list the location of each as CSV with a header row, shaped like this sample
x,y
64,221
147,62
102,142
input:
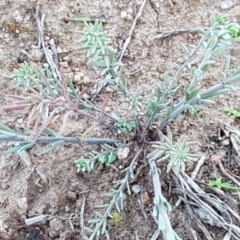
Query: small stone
x,y
77,78
226,4
109,89
72,195
23,218
146,198
64,64
5,236
46,38
37,55
67,58
4,185
86,96
123,153
123,14
56,225
59,49
215,159
67,209
129,17
130,11
65,50
86,79
20,120
22,203
45,65
17,16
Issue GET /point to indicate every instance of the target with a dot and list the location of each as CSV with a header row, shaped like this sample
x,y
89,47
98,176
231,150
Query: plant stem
x,y
74,140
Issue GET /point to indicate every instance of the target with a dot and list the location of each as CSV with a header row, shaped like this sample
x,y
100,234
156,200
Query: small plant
x,y
106,157
177,153
116,218
231,112
124,126
223,185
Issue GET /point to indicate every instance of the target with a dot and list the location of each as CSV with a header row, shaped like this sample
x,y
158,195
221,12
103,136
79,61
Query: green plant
x,y
116,218
172,98
232,113
106,157
124,126
222,185
177,153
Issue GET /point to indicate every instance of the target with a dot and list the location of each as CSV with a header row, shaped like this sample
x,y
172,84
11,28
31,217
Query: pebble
x,y
5,236
46,38
124,14
67,58
45,65
109,89
130,11
56,227
123,153
4,185
17,16
86,79
77,78
226,4
67,209
59,49
37,55
129,17
72,195
20,120
146,198
64,64
22,203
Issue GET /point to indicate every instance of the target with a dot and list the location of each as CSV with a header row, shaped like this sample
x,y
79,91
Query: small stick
x,y
82,213
86,19
227,174
54,50
175,32
199,164
155,235
139,14
73,140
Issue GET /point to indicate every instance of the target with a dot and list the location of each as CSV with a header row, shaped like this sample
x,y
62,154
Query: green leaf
x,y
185,49
6,133
50,132
21,147
220,49
7,129
54,145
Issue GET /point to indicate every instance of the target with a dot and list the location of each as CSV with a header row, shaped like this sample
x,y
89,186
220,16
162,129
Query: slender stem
x,y
73,140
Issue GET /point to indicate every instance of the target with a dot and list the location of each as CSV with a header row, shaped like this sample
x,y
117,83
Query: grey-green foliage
x,y
102,55
106,156
124,126
214,41
177,153
232,113
20,78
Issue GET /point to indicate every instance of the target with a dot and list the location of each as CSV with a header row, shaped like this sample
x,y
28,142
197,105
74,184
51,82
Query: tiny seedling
x,y
231,112
116,218
124,126
222,185
193,112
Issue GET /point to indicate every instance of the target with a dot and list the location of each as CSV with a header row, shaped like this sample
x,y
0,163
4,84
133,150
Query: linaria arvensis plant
x,y
41,93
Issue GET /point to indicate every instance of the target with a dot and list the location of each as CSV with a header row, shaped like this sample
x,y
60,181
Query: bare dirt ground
x,y
23,194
